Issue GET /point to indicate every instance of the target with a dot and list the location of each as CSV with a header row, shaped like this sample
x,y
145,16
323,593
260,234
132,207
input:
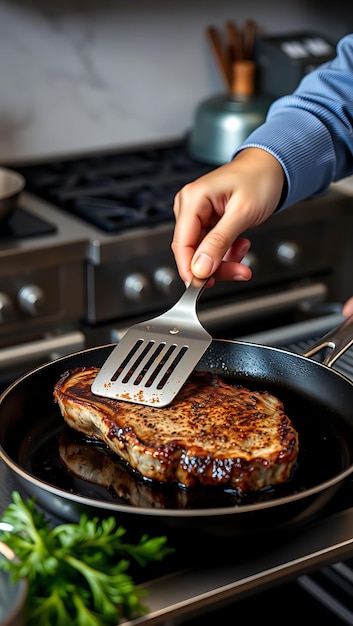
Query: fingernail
x,y
203,265
239,277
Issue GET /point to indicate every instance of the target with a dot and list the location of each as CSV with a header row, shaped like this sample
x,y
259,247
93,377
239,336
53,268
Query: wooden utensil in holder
x,y
243,78
235,56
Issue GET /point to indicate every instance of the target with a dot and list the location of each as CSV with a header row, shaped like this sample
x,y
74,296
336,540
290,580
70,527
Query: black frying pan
x,y
318,399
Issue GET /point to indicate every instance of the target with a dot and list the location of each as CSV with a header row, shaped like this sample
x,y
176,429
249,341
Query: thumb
x,y
203,265
212,249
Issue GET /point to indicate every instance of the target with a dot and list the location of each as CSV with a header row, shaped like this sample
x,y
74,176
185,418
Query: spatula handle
x,y
194,291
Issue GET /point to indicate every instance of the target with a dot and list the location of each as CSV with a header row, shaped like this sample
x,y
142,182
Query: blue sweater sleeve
x,y
311,131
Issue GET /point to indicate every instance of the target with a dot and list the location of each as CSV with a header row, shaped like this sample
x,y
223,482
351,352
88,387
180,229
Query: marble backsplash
x,y
97,74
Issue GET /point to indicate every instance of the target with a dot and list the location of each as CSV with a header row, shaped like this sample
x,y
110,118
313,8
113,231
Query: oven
x,y
86,253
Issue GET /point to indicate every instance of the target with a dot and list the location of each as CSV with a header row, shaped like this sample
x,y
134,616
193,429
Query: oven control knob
x,y
166,279
6,308
31,299
136,287
288,253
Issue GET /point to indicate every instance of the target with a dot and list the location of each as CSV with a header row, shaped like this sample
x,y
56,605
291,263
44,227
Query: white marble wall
x,y
90,74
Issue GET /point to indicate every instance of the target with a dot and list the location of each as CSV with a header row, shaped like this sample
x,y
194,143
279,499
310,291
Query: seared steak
x,y
213,433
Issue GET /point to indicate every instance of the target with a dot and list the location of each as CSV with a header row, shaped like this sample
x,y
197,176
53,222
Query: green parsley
x,y
77,573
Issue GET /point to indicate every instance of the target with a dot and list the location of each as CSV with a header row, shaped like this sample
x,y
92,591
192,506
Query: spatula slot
x,y
159,359
172,367
127,359
164,359
140,358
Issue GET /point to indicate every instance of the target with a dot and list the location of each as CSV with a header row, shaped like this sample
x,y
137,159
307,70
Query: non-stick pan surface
x,y
318,400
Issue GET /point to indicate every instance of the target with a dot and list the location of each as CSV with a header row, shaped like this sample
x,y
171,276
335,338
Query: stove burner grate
x,y
116,192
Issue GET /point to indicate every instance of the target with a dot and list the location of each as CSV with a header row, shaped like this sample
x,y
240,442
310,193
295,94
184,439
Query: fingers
x,y
204,232
213,211
221,251
195,228
207,238
232,267
347,309
193,213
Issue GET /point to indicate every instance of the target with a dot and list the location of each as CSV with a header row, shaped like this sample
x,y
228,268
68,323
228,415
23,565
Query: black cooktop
x,y
22,224
116,191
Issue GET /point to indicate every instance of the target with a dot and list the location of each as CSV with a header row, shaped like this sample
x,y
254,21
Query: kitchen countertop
x,y
344,186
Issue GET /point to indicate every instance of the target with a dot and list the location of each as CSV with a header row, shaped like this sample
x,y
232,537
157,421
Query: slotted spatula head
x,y
154,358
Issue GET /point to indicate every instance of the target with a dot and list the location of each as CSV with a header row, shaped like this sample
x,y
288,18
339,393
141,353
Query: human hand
x,y
213,211
347,309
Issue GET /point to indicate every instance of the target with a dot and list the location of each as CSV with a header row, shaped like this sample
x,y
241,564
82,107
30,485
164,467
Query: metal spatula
x,y
154,358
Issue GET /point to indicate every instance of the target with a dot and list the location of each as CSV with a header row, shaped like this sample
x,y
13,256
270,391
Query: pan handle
x,y
338,340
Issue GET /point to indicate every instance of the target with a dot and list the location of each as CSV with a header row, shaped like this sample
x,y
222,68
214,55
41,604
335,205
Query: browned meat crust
x,y
212,434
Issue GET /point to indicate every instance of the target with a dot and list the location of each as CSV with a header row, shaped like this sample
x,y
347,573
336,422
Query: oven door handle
x,y
257,307
216,318
48,349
